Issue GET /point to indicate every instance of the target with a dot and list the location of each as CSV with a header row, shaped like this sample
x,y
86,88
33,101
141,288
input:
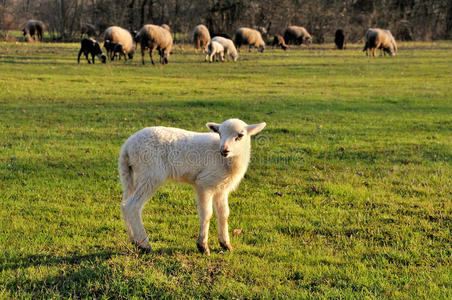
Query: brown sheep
x,y
251,37
297,35
155,37
379,39
116,34
34,29
278,40
201,37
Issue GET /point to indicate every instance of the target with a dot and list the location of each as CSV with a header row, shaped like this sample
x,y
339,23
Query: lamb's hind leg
x,y
132,209
220,203
204,204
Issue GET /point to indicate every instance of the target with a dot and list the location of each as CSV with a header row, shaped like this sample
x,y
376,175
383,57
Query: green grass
x,y
348,194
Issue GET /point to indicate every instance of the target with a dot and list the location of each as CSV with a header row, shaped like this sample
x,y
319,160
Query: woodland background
x,y
408,20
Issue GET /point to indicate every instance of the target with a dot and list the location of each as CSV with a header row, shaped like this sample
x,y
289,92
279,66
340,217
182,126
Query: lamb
x,y
215,48
155,37
297,35
201,37
339,39
118,50
251,37
377,38
213,163
278,40
91,46
114,49
33,29
116,34
228,45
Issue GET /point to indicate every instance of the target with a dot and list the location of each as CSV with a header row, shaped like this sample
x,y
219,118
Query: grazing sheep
x,y
91,46
33,29
213,163
393,42
166,27
278,40
155,37
88,29
201,37
213,49
339,39
297,35
116,34
228,45
251,37
377,38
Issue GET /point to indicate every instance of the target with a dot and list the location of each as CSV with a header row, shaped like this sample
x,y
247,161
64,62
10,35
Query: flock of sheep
x,y
119,42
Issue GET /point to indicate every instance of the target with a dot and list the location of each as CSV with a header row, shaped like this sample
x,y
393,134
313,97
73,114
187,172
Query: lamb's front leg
x,y
204,204
222,212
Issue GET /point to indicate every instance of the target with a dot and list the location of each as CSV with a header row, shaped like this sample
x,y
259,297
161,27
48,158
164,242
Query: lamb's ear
x,y
255,128
213,127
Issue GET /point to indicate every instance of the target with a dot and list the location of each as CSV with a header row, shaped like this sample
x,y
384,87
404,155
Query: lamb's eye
x,y
239,137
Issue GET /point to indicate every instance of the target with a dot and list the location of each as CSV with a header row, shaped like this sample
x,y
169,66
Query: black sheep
x,y
339,39
90,46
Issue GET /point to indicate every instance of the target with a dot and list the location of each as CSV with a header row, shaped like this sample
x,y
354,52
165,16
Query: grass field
x,y
348,194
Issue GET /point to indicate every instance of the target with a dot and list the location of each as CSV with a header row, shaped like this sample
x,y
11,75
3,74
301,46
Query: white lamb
x,y
229,48
213,49
214,163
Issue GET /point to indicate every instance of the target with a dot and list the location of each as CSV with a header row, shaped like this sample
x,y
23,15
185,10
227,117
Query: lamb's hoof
x,y
226,247
204,249
143,248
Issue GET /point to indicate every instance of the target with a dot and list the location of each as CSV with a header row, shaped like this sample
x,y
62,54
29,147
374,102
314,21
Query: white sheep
x,y
377,38
213,49
116,34
155,37
251,37
213,163
229,47
201,37
297,35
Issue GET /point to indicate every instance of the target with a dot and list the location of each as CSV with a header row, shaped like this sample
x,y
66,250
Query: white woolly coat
x,y
201,37
229,47
248,36
182,156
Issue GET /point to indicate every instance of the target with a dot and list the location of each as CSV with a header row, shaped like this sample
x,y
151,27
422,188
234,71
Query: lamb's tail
x,y
125,173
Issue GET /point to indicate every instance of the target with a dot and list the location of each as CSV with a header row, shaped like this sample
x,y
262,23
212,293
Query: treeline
x,y
407,19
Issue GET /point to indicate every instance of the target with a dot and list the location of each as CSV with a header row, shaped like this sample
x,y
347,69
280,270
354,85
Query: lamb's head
x,y
235,136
